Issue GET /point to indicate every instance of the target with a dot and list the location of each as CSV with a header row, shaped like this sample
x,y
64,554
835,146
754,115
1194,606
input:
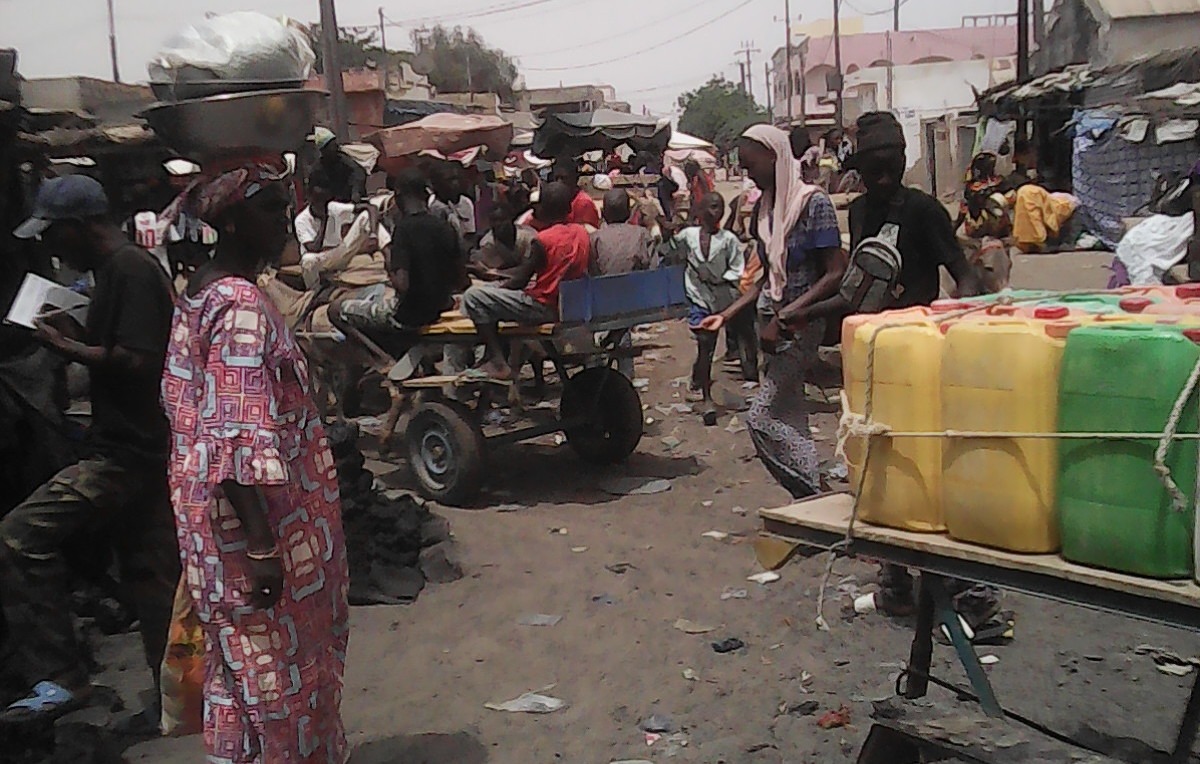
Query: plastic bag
x,y
182,682
244,46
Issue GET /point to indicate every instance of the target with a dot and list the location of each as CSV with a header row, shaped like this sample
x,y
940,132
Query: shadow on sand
x,y
428,748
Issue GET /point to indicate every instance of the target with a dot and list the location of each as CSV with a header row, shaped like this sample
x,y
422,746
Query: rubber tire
x,y
452,427
613,408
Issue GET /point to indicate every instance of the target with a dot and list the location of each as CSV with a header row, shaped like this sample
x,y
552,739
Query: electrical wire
x,y
884,12
491,10
643,51
593,43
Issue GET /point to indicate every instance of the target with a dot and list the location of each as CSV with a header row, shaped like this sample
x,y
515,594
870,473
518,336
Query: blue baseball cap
x,y
74,197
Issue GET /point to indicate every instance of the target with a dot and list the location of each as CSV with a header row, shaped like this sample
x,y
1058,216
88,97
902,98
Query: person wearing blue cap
x,y
119,489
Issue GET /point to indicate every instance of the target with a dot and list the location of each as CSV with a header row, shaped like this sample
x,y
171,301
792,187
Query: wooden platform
x,y
822,522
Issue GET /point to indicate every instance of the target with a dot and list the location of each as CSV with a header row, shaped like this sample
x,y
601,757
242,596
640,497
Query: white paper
x,y
36,293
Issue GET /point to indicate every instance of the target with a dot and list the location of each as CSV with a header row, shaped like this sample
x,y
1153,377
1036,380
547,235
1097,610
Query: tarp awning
x,y
600,130
684,142
445,134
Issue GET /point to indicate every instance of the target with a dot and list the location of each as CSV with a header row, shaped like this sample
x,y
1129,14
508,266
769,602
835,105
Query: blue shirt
x,y
816,229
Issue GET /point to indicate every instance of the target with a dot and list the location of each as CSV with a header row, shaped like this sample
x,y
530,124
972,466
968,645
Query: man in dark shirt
x,y
119,491
425,267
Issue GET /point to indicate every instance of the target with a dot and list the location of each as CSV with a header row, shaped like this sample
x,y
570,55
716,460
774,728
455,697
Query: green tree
x,y
458,61
358,48
719,111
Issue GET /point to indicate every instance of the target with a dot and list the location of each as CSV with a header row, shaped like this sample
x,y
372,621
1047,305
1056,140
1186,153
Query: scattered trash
x,y
691,627
508,507
641,383
603,599
671,442
841,662
835,719
539,619
657,723
652,738
559,439
635,486
690,675
620,568
734,594
806,708
579,549
706,504
494,417
674,408
558,531
631,761
529,703
735,427
739,510
749,385
766,577
1166,661
988,660
865,604
728,645
715,535
681,382
773,553
839,472
649,421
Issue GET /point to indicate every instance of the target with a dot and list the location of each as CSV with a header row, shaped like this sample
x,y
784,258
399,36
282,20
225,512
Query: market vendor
x,y
348,180
1039,216
560,253
119,489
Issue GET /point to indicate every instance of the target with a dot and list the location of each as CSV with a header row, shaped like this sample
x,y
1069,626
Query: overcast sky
x,y
644,48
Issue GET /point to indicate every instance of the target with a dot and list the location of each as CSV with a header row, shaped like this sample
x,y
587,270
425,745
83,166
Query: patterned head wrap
x,y
219,189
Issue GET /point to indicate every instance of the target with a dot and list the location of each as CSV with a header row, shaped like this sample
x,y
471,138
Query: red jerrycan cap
x,y
1135,304
1187,291
1193,335
1053,313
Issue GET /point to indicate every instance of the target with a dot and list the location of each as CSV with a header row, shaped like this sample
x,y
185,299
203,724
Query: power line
x,y
491,10
643,51
884,12
593,43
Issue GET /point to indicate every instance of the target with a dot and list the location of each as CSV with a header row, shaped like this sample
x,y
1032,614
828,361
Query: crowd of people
x,y
203,410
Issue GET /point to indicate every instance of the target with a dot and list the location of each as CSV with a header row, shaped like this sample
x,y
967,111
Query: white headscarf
x,y
782,208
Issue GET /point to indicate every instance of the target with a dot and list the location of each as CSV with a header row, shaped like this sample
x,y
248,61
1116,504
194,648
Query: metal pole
x,y
1039,22
787,23
767,85
112,42
837,60
383,33
891,78
1022,40
333,69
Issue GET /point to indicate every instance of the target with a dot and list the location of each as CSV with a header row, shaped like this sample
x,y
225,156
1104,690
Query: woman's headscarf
x,y
218,189
782,208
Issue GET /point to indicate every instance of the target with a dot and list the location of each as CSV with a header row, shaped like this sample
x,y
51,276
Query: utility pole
x,y
742,75
112,41
767,85
1039,22
333,69
787,30
837,61
891,78
382,32
1022,40
748,72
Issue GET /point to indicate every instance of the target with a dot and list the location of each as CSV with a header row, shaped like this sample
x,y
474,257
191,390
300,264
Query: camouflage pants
x,y
96,499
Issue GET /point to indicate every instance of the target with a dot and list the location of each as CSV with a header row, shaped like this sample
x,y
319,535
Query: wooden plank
x,y
451,379
831,514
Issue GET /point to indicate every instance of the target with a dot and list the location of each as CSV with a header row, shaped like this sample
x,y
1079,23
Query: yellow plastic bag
x,y
182,683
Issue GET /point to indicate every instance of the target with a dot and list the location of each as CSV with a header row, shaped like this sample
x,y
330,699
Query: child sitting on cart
x,y
424,268
714,267
560,252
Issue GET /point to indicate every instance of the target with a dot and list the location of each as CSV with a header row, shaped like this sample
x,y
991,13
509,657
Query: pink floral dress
x,y
235,388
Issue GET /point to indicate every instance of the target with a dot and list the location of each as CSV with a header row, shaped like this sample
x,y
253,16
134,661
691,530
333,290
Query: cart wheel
x,y
605,413
445,450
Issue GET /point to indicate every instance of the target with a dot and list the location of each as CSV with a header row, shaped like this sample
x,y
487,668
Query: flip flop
x,y
48,701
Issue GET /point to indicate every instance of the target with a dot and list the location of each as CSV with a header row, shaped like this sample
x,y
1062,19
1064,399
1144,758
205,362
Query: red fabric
x,y
583,210
568,247
699,187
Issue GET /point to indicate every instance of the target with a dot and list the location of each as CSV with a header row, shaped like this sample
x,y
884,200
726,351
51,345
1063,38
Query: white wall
x,y
925,90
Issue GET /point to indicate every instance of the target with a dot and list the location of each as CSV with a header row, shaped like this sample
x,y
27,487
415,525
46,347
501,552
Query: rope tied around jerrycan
x,y
863,426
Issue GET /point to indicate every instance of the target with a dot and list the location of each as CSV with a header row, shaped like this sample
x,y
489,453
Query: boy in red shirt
x,y
583,209
559,253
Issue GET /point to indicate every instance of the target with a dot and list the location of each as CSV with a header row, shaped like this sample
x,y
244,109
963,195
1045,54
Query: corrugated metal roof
x,y
1130,9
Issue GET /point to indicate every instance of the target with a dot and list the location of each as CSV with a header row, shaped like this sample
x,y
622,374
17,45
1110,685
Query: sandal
x,y
47,701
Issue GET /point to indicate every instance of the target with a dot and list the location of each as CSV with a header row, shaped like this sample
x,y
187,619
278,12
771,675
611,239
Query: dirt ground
x,y
547,539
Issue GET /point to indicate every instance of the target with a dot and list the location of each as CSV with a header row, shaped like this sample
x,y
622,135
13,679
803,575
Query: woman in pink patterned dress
x,y
255,495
